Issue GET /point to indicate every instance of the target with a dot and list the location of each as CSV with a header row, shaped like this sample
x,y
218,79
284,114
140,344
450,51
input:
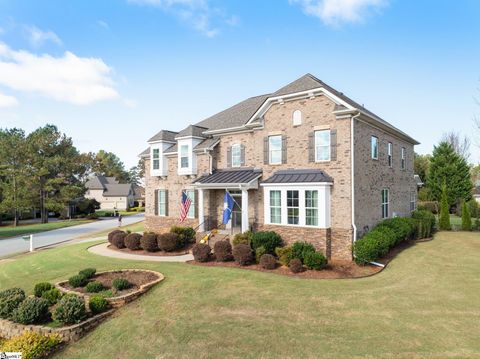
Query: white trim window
x,y
191,211
413,201
293,207
275,149
236,155
322,145
275,206
155,158
390,154
374,147
311,207
403,158
162,202
184,157
297,118
385,203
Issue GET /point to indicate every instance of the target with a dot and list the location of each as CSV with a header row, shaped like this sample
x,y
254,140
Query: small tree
x,y
444,220
466,218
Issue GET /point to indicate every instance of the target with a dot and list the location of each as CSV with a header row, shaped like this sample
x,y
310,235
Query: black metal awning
x,y
242,177
299,176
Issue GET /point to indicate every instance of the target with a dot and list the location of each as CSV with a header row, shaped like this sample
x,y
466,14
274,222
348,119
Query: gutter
x,y
352,174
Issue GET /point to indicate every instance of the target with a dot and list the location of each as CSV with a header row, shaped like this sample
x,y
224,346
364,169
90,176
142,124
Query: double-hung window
x,y
374,147
322,145
311,208
184,158
403,158
191,211
162,202
275,207
390,154
275,149
385,202
236,156
293,208
156,158
413,201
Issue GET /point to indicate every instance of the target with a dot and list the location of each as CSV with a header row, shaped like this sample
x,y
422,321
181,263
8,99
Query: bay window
x,y
293,210
275,207
311,208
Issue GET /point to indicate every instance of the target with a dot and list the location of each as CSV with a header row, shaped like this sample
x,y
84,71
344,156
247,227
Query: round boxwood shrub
x,y
267,261
243,238
296,265
77,281
148,242
132,241
403,228
259,252
223,251
185,234
112,233
98,304
315,260
118,240
88,272
70,309
268,240
300,249
32,310
94,287
10,299
284,255
169,242
201,252
242,254
52,296
40,288
121,284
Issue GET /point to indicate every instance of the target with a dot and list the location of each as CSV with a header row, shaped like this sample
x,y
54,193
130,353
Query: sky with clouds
x,y
112,73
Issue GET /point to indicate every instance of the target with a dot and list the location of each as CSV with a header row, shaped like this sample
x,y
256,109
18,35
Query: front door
x,y
236,219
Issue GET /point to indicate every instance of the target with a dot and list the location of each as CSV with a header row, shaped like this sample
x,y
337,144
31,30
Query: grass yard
x,y
425,304
134,227
10,231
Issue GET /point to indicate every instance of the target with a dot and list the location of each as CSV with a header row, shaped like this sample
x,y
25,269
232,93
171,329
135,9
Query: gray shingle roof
x,y
109,185
192,130
208,143
145,153
231,176
299,176
164,135
172,149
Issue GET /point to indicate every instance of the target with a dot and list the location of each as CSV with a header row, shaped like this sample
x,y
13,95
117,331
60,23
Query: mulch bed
x,y
142,252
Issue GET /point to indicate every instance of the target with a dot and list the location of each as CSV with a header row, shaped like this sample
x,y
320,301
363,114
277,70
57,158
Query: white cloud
x,y
336,12
103,24
38,37
8,101
68,78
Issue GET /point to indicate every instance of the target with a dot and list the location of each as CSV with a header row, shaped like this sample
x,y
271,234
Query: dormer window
x,y
184,156
156,158
297,118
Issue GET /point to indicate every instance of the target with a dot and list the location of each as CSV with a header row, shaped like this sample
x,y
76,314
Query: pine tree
x,y
444,220
466,218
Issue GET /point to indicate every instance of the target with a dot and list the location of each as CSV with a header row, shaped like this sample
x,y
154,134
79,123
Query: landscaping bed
x,y
159,253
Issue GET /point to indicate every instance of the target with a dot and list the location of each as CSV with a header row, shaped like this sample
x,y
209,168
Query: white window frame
x,y
318,145
184,155
311,208
292,207
162,205
155,159
276,207
374,153
385,203
390,154
413,201
403,162
297,118
191,211
236,156
270,150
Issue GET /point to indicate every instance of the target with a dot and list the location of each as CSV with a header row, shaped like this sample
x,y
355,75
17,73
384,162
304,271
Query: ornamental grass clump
x,y
223,251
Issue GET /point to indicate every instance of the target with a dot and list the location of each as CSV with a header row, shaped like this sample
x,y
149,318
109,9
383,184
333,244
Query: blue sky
x,y
112,73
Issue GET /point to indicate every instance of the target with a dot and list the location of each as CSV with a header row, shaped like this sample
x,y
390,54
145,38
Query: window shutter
x,y
156,201
166,202
311,147
229,156
195,202
265,150
284,149
333,145
242,155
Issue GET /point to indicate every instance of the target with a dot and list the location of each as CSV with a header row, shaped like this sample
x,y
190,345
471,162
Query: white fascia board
x,y
301,184
160,141
233,129
190,137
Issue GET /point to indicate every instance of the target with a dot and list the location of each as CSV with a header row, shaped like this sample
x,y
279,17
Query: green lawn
x,y
134,227
10,231
425,304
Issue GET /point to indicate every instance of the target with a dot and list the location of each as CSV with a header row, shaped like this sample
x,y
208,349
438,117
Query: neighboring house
x,y
476,193
305,161
139,195
110,193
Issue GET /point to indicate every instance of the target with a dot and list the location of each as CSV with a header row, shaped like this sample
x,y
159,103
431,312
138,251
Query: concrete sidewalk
x,y
102,250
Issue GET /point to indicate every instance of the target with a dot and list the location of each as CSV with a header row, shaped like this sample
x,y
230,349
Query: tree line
x,y
43,170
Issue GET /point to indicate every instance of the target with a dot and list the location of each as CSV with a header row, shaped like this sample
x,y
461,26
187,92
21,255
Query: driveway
x,y
18,244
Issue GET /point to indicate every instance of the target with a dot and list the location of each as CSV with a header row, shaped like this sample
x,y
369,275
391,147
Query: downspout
x,y
210,160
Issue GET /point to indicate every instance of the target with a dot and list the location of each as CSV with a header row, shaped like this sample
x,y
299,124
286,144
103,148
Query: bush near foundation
x,y
425,222
10,299
242,238
132,241
118,240
296,265
316,261
201,252
185,234
32,345
268,240
403,228
267,261
169,242
242,254
32,310
148,242
223,251
259,252
284,255
300,250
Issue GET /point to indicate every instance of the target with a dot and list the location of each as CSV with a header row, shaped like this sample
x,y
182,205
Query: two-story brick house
x,y
305,161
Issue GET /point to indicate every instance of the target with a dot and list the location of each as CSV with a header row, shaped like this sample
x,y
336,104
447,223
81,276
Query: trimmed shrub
x,y
40,288
132,241
425,223
121,284
300,249
223,251
201,252
94,287
32,345
284,255
242,254
242,238
52,296
112,233
98,304
10,299
374,245
267,261
296,265
169,242
88,272
185,234
259,252
149,242
315,261
430,206
444,218
32,310
77,281
118,240
70,309
403,228
267,239
466,218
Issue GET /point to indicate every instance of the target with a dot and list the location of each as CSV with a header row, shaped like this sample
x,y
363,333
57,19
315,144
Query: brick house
x,y
305,161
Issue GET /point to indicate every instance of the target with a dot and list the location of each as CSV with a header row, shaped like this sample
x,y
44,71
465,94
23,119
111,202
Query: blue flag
x,y
227,207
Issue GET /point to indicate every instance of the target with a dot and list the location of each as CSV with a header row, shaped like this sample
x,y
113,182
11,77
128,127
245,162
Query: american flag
x,y
184,206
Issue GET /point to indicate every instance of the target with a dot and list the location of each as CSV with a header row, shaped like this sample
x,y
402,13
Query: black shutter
x,y
265,150
311,147
242,155
229,156
166,202
155,196
195,202
333,145
284,149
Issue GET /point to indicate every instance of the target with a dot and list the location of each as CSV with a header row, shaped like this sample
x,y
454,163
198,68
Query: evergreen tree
x,y
444,220
108,164
466,218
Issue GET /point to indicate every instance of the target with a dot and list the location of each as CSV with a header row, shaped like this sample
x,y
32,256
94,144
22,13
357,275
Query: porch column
x,y
201,216
245,226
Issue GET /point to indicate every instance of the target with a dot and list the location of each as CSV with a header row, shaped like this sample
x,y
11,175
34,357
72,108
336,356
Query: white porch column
x,y
201,215
245,226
